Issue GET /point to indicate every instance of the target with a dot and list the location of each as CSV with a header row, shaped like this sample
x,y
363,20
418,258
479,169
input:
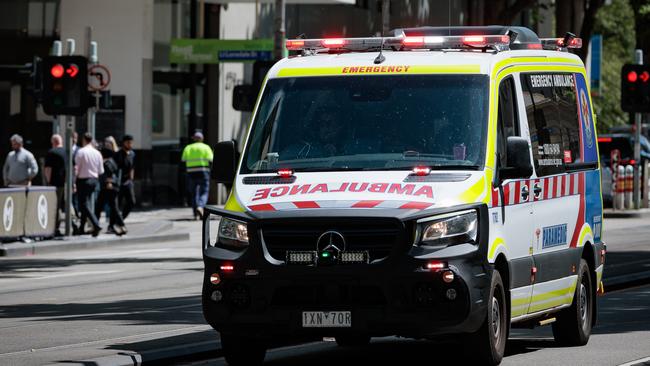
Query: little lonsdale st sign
x,y
213,51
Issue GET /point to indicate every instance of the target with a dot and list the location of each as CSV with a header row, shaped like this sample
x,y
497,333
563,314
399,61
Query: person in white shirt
x,y
89,165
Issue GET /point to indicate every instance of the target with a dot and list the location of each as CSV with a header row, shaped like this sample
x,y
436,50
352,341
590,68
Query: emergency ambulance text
x,y
295,189
374,69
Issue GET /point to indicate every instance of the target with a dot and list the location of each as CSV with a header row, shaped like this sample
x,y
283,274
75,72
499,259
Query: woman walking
x,y
109,188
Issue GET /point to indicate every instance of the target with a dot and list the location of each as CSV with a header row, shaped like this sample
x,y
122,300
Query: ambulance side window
x,y
508,120
551,108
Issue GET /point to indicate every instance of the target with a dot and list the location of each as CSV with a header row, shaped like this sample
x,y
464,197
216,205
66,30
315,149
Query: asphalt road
x,y
131,299
93,303
622,336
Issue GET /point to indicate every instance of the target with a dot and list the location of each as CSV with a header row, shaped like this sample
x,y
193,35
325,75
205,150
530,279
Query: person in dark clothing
x,y
55,163
109,188
125,159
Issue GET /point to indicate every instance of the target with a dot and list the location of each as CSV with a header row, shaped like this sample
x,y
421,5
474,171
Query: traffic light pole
x,y
638,55
69,173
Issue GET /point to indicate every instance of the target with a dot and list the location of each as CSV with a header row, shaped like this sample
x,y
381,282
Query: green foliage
x,y
616,23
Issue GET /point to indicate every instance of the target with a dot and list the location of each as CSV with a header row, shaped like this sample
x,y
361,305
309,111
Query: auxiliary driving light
x,y
448,276
216,296
215,279
354,257
301,257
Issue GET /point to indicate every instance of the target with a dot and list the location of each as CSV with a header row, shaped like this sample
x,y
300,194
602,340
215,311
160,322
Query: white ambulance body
x,y
447,184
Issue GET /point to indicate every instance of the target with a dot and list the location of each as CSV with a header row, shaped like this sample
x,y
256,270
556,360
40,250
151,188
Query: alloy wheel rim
x,y
496,319
584,307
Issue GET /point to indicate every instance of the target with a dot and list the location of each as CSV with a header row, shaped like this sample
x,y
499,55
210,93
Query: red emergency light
x,y
433,265
604,139
333,42
421,171
227,268
285,173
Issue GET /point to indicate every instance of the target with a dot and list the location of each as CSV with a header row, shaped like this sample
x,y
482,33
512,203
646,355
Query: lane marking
x,y
641,361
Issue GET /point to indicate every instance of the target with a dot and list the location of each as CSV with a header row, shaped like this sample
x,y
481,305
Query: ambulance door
x,y
515,203
552,114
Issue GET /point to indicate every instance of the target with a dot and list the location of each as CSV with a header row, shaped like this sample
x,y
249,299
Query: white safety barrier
x,y
629,187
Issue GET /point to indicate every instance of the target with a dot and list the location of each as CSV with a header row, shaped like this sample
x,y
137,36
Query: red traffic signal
x,y
645,76
57,71
635,88
632,76
72,70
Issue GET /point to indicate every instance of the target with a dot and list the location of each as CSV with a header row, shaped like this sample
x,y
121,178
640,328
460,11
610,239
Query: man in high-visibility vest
x,y
198,160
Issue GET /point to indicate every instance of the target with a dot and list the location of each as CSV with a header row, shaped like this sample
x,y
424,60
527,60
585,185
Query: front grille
x,y
379,237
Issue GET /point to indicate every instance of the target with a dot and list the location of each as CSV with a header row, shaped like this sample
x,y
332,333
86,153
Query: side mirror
x,y
225,165
243,98
518,159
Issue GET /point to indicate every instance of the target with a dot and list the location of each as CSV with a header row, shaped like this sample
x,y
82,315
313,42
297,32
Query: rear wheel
x,y
244,351
352,340
490,340
573,325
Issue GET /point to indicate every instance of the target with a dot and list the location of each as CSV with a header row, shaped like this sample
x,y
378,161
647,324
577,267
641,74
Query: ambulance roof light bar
x,y
561,44
402,42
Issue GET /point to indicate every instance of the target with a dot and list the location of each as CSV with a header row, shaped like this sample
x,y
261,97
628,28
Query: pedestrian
x,y
125,159
109,142
55,165
20,166
89,166
109,184
198,160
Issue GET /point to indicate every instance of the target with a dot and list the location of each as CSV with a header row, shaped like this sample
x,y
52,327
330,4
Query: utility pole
x,y
638,55
278,41
69,173
57,50
91,53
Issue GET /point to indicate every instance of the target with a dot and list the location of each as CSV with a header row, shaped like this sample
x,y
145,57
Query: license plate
x,y
326,319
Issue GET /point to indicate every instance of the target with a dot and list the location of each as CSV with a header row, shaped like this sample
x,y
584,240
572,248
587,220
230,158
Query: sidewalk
x,y
146,226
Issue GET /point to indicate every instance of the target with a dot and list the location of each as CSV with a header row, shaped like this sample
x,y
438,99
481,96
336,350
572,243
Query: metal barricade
x,y
12,207
40,211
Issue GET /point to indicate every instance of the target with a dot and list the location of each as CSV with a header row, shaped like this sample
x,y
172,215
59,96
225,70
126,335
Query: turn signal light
x,y
215,279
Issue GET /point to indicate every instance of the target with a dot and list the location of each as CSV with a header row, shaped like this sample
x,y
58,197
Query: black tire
x,y
573,325
489,342
242,351
352,340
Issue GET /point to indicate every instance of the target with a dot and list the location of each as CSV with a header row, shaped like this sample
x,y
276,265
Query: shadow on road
x,y
14,268
174,310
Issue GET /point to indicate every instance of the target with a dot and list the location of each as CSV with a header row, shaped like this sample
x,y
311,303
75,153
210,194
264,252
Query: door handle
x,y
524,192
537,190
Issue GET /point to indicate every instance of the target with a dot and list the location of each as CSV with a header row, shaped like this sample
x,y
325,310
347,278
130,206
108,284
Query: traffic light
x,y
635,88
65,85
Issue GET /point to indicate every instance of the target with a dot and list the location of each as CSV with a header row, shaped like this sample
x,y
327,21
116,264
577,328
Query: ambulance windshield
x,y
370,123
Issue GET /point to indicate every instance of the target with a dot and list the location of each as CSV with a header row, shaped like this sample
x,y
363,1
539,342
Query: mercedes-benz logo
x,y
330,241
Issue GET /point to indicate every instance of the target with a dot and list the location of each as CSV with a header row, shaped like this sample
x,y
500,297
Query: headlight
x,y
448,229
232,233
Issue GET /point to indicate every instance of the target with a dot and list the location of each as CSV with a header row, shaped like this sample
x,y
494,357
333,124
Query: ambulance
x,y
442,181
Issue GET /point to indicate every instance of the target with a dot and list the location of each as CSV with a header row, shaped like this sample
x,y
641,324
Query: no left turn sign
x,y
98,77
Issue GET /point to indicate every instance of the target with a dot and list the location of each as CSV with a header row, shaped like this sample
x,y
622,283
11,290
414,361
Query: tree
x,y
578,17
615,23
496,12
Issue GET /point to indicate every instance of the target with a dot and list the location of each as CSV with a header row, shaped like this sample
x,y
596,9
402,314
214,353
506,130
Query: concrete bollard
x,y
619,189
629,187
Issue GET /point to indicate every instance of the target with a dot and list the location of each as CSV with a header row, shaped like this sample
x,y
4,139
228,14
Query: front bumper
x,y
398,295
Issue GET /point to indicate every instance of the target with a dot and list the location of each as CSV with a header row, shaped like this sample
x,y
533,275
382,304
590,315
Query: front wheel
x,y
573,325
490,340
244,351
